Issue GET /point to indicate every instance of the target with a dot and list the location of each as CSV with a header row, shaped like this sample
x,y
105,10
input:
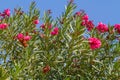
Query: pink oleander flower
x,y
89,25
94,43
7,12
102,27
85,18
3,26
43,26
20,36
36,21
78,13
117,28
27,38
83,23
23,39
55,31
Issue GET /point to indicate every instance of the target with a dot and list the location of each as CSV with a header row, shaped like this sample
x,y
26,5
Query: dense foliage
x,y
69,47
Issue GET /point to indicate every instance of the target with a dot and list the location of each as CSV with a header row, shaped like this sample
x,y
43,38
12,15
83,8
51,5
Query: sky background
x,y
106,11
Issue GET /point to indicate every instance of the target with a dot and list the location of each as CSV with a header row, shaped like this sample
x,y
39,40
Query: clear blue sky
x,y
106,11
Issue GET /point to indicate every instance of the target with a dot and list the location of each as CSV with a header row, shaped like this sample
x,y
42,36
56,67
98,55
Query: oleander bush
x,y
70,47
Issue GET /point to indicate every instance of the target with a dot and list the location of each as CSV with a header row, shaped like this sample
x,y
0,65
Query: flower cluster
x,y
6,12
94,43
36,21
3,26
117,28
102,27
55,31
87,23
23,39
